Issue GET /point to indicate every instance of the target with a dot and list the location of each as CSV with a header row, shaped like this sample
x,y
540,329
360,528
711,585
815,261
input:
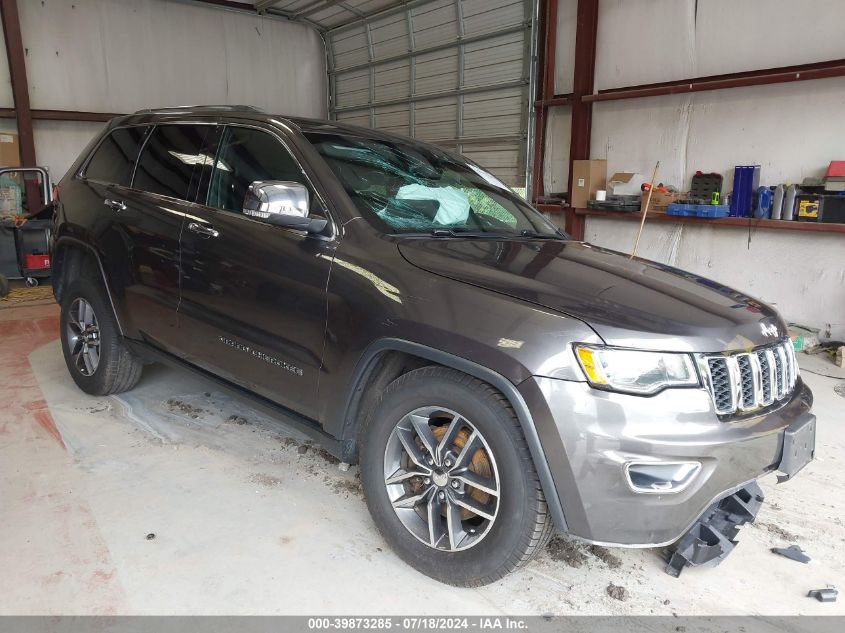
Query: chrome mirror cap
x,y
282,203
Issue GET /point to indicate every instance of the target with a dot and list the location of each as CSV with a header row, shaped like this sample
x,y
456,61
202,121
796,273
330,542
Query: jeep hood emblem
x,y
768,329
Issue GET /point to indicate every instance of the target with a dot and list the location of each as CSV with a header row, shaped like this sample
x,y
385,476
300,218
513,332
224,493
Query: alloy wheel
x,y
441,478
83,337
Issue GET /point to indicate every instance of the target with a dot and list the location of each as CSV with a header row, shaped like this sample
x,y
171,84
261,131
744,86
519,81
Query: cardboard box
x,y
9,151
659,201
625,183
588,176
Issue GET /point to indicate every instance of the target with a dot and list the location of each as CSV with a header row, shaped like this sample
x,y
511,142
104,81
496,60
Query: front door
x,y
253,307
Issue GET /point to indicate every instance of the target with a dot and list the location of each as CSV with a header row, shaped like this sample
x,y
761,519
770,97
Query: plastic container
x,y
788,212
699,210
37,262
777,203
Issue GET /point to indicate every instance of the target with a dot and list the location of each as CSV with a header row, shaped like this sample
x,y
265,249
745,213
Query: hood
x,y
629,303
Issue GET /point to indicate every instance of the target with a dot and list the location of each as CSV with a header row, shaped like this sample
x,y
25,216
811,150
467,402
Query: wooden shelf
x,y
738,223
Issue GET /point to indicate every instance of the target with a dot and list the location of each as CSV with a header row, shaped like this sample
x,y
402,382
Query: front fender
x,y
507,388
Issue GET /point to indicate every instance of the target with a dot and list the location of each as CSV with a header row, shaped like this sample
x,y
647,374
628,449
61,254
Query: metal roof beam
x,y
17,73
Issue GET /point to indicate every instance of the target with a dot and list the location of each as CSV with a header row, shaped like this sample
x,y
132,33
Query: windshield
x,y
410,188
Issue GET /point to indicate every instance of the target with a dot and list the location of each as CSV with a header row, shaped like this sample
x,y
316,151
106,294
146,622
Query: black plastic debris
x,y
793,552
150,536
827,594
711,538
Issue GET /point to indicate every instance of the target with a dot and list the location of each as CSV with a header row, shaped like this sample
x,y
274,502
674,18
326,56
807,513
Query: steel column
x,y
582,86
530,71
546,45
17,73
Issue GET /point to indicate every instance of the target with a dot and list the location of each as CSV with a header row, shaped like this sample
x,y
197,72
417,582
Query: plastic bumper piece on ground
x,y
711,538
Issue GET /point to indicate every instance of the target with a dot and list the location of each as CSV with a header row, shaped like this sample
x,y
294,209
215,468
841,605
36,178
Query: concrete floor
x,y
245,522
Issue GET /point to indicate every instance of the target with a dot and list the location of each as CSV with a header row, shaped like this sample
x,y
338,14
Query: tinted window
x,y
172,158
247,155
115,157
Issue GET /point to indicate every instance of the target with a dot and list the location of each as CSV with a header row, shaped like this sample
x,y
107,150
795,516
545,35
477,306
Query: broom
x,y
645,210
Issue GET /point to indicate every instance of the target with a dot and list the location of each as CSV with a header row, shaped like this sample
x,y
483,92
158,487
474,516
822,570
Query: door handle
x,y
203,229
116,205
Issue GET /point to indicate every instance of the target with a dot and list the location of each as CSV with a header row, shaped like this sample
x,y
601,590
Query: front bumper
x,y
589,436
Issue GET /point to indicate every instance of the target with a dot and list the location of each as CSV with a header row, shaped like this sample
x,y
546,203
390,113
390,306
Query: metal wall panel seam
x,y
412,74
371,57
459,112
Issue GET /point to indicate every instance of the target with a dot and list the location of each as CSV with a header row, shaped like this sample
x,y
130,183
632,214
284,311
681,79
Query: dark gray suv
x,y
494,379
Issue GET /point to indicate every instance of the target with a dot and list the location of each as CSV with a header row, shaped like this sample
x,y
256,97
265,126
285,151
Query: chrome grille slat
x,y
720,381
781,367
793,366
766,358
747,381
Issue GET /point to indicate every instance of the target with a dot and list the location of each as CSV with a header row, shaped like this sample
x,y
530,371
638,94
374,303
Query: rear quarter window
x,y
114,158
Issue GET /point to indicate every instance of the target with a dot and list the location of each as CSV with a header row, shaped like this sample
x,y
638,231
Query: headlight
x,y
635,371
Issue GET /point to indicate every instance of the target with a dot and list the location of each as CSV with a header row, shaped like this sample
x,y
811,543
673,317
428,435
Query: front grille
x,y
747,381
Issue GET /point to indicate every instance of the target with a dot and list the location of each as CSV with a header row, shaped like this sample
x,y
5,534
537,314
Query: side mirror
x,y
281,203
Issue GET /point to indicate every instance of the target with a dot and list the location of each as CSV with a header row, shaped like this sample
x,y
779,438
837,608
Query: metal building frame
x,y
538,77
584,95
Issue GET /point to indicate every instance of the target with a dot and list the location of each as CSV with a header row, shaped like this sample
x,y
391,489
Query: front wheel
x,y
449,479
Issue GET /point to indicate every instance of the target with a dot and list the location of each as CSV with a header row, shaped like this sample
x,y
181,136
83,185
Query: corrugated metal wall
x,y
451,72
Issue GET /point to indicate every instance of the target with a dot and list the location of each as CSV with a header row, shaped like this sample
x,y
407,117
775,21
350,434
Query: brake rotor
x,y
479,464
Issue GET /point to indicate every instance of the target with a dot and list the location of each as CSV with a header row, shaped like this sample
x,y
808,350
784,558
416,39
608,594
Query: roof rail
x,y
201,108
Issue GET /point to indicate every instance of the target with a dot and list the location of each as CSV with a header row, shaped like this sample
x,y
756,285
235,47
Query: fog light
x,y
660,477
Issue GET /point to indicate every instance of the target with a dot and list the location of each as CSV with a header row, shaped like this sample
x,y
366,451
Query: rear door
x,y
101,206
253,306
146,222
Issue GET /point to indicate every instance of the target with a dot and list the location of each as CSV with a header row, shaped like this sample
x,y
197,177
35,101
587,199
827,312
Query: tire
x,y
482,550
116,369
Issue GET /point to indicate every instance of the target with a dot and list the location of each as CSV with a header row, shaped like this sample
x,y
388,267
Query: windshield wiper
x,y
534,235
459,232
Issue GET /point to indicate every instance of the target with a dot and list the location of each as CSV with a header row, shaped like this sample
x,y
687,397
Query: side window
x,y
247,155
115,157
172,159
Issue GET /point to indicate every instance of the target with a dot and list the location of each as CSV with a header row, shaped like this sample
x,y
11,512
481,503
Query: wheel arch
x,y
384,360
72,257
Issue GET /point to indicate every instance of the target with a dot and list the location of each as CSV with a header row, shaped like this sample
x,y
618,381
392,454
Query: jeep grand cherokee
x,y
494,379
